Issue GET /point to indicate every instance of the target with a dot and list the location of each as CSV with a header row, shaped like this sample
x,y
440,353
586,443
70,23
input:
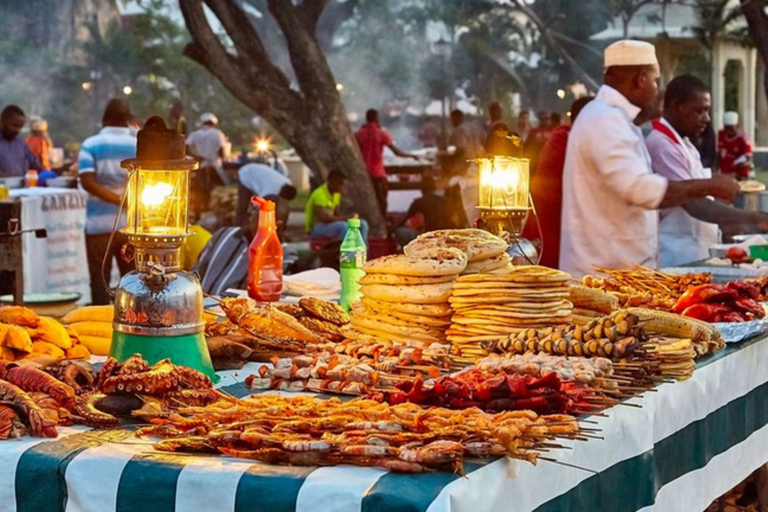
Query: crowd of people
x,y
597,181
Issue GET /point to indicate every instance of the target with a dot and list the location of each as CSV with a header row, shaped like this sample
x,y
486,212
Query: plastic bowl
x,y
62,182
13,182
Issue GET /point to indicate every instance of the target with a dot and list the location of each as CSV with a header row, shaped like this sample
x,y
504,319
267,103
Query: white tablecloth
x,y
57,263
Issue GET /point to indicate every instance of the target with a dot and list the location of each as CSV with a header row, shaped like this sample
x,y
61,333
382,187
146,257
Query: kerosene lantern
x,y
158,306
504,203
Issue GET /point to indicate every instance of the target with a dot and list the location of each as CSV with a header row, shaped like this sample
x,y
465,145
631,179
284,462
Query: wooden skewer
x,y
568,465
212,297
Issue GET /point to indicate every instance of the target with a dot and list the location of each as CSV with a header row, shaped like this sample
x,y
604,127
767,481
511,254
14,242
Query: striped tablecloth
x,y
689,443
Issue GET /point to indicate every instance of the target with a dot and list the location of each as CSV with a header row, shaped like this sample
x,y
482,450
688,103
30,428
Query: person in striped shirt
x,y
104,180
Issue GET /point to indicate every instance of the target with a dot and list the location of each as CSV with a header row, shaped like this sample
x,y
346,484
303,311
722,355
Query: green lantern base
x,y
187,350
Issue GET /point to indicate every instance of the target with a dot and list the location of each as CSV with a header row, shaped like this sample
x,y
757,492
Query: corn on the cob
x,y
90,313
97,329
588,298
671,324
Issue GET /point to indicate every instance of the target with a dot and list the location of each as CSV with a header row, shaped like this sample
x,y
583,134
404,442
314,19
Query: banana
x,y
97,345
92,328
90,314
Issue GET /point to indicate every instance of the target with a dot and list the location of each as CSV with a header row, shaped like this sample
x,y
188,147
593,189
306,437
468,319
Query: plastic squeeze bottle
x,y
352,259
265,256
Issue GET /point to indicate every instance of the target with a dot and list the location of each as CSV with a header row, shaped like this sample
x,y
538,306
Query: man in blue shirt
x,y
15,157
103,178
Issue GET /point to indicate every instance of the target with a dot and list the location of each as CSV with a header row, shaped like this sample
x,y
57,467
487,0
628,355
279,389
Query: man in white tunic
x,y
610,194
686,232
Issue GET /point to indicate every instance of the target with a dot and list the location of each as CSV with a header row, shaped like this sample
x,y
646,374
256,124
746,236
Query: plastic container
x,y
44,176
758,252
352,257
30,179
265,256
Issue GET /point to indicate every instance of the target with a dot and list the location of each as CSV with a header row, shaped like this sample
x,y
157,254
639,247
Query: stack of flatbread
x,y
406,298
491,306
485,252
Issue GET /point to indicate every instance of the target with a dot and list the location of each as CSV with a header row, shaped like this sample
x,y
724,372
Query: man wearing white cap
x,y
734,148
208,145
610,194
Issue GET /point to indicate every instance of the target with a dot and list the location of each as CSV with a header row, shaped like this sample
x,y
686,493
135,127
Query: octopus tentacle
x,y
108,370
160,379
89,414
134,364
192,378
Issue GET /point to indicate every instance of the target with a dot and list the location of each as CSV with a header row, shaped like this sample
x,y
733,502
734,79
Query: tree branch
x,y
311,10
246,40
272,94
309,64
551,41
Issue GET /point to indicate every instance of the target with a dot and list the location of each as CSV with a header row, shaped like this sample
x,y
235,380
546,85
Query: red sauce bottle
x,y
265,256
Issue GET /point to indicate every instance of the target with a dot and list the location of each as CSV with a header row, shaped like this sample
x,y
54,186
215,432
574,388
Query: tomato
x,y
736,254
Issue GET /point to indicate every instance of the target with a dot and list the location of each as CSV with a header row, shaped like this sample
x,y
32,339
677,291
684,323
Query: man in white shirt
x,y
256,179
686,232
610,193
207,144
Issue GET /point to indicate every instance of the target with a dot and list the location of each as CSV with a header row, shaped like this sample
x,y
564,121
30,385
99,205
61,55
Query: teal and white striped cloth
x,y
688,444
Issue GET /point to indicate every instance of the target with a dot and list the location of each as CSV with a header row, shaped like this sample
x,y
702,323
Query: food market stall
x,y
458,381
689,443
54,263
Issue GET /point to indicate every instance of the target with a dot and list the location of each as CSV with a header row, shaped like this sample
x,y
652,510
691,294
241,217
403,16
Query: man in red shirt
x,y
372,140
547,190
734,148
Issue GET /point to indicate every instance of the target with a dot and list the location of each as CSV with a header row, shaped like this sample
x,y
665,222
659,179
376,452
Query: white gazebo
x,y
670,28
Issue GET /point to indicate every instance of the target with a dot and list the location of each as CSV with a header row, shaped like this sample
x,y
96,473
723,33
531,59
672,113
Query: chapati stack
x,y
485,252
406,298
491,306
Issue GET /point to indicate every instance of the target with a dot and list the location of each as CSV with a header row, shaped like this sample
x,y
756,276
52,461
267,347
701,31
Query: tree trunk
x,y
757,21
308,113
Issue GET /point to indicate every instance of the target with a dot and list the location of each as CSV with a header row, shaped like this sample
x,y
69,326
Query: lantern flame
x,y
155,195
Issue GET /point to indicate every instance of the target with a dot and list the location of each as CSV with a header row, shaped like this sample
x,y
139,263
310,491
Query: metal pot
x,y
752,201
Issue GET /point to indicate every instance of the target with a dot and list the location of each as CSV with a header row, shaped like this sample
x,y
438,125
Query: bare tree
x,y
757,22
301,103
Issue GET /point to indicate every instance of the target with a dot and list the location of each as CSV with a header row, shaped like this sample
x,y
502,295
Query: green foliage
x,y
143,52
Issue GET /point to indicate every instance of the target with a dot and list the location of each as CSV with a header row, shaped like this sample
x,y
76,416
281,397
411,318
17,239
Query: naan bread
x,y
444,262
415,294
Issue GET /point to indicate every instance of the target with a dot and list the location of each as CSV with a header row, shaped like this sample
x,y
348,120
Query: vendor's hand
x,y
724,186
416,157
